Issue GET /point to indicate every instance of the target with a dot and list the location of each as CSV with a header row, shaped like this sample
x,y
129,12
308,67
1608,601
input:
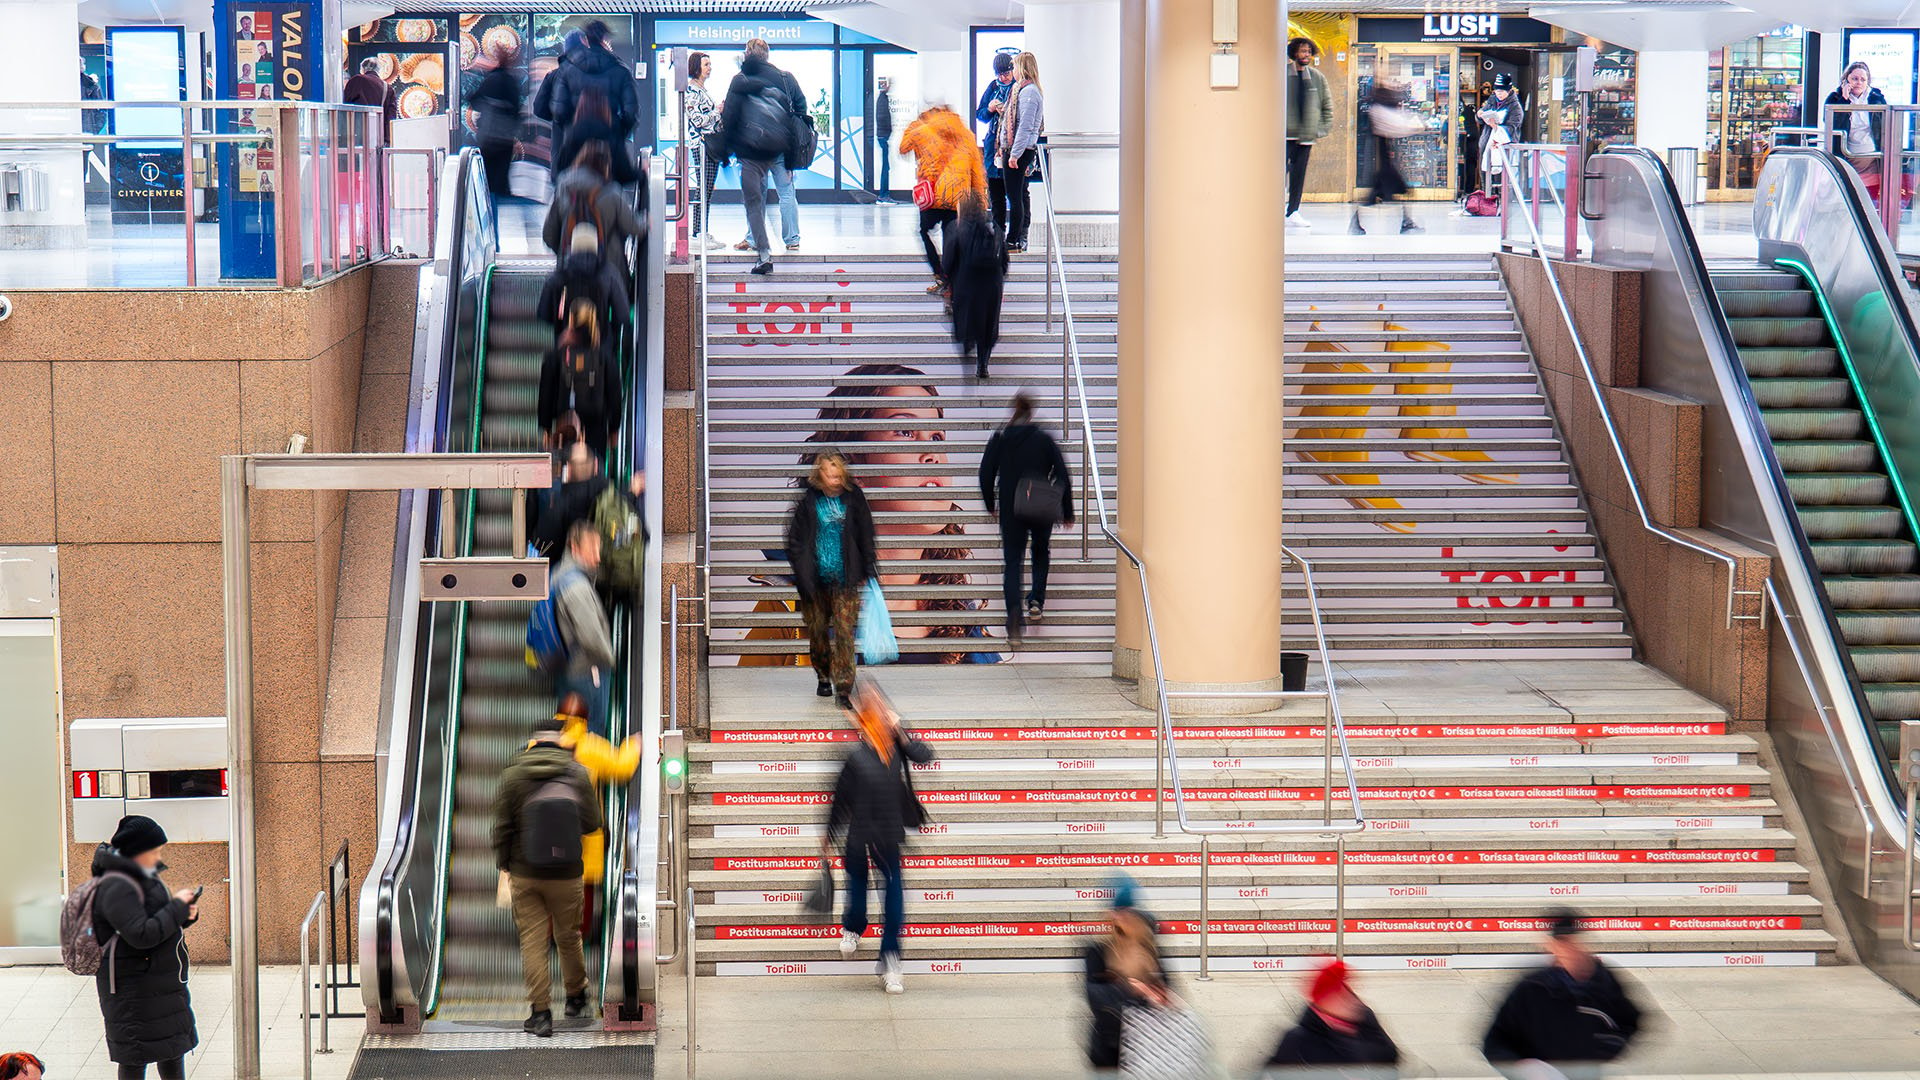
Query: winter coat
x,y
616,217
1845,120
1016,452
859,560
1549,1016
586,67
883,115
364,89
983,112
496,104
580,134
1109,999
873,801
589,277
567,503
595,415
974,262
740,136
605,764
143,980
1309,105
1313,1041
1491,159
1029,120
944,155
583,623
533,767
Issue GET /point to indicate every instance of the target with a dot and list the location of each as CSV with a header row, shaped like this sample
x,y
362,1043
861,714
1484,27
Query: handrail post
x,y
186,157
1339,896
693,1046
306,989
1206,907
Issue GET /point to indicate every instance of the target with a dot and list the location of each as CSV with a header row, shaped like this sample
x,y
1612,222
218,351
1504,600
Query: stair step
x,y
1785,425
1768,303
1802,393
1865,556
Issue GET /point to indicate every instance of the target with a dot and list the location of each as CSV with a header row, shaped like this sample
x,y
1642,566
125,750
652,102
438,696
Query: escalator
x,y
1805,359
440,956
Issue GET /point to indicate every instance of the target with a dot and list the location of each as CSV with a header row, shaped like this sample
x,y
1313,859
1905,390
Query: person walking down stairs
x,y
830,545
1025,484
873,807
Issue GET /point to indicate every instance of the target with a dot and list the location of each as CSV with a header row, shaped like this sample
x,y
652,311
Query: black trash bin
x,y
1293,671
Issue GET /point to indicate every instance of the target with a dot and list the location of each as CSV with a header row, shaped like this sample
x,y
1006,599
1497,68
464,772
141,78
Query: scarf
x,y
1009,120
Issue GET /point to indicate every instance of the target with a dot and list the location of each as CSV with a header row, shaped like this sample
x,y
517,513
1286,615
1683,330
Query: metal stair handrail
x,y
1167,761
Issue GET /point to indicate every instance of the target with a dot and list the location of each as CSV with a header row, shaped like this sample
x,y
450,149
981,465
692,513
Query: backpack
x,y
581,373
623,536
550,828
1481,204
547,650
583,206
766,124
81,952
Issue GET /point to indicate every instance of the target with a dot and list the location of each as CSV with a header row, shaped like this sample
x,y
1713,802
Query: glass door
x,y
1425,74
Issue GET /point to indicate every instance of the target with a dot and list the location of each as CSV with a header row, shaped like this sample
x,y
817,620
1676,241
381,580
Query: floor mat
x,y
624,1062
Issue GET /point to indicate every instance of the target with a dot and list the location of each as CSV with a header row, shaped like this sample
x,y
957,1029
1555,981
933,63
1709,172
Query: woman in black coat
x,y
143,977
974,261
1018,453
830,545
1123,972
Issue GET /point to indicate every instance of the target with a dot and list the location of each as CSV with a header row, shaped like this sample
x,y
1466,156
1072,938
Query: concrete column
x,y
1076,44
1214,344
1130,636
1681,118
43,64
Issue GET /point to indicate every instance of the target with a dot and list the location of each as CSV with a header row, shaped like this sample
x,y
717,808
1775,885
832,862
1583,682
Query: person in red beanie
x,y
1336,1029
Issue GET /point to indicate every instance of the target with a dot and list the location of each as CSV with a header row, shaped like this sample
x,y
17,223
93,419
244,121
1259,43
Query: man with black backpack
x,y
579,380
762,124
590,65
584,275
544,809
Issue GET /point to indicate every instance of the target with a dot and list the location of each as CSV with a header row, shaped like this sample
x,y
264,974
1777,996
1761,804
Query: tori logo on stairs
x,y
769,308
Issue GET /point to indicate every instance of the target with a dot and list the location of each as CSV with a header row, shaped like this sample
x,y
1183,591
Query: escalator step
x,y
1868,592
519,337
1778,332
1851,522
1865,556
1839,488
1818,457
1766,363
1763,303
1797,393
1887,663
1785,425
1891,626
1893,700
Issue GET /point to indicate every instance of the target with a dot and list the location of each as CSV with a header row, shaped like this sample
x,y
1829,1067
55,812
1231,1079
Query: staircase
x,y
1868,562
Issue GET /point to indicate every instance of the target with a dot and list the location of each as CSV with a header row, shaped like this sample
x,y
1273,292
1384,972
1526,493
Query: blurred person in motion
x,y
705,138
543,71
583,622
948,171
585,194
142,981
591,66
542,813
1388,120
496,105
975,266
579,382
993,102
368,88
1566,1019
882,136
593,123
763,108
873,807
1309,119
606,764
21,1065
583,275
1337,1028
1020,128
576,497
830,546
1024,482
1123,971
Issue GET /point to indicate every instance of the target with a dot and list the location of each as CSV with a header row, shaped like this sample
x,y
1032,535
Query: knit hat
x,y
136,835
1328,982
1122,887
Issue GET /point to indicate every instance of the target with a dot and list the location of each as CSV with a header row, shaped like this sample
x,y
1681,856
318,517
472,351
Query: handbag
x,y
1037,501
1164,1043
1393,122
874,635
923,194
819,899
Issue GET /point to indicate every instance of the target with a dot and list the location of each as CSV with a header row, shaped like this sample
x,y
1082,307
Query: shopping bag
x,y
819,899
1164,1043
503,892
874,638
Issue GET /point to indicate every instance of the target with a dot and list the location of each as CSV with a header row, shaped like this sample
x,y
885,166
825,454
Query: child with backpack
x,y
578,377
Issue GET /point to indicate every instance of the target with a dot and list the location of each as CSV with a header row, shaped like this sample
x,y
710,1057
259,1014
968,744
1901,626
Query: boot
x,y
1408,225
576,1005
539,1024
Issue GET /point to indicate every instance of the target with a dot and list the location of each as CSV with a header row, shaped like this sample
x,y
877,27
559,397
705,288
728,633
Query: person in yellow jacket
x,y
605,764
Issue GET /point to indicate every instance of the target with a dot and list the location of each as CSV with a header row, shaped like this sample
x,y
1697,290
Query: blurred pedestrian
x,y
142,982
1024,482
583,622
1337,1028
830,546
1388,121
1123,971
1570,1016
974,262
579,383
21,1065
586,194
593,123
583,275
496,105
948,170
591,65
873,808
606,764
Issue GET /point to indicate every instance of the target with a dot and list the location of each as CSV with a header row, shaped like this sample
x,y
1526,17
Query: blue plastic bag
x,y
874,638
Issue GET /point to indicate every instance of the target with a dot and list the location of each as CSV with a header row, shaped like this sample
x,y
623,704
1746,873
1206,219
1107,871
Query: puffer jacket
x,y
740,137
586,67
945,155
143,981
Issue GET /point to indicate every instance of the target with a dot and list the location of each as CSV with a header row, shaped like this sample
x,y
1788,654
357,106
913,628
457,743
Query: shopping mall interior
x,y
1474,617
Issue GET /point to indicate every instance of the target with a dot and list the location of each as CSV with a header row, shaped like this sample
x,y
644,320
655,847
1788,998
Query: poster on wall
x,y
265,52
1890,56
411,56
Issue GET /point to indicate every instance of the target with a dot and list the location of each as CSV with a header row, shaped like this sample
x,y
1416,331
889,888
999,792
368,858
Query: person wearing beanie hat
x,y
1337,1028
1123,971
993,103
1572,1013
142,983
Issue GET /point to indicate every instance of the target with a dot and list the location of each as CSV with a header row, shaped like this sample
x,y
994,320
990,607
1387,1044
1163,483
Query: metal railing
x,y
1888,169
1528,215
1535,172
1166,757
320,900
314,176
673,814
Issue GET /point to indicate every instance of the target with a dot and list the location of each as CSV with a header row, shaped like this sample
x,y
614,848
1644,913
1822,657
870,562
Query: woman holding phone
x,y
142,981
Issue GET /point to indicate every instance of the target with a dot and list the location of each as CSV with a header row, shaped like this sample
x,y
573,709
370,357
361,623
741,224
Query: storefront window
x,y
1753,86
1425,76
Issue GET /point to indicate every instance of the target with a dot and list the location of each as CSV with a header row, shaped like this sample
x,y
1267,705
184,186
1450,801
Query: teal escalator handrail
x,y
1887,460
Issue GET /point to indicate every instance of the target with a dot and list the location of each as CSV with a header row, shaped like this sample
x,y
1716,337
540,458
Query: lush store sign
x,y
737,32
1456,28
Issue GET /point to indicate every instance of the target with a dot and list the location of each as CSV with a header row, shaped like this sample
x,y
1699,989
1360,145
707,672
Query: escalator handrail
x,y
1793,553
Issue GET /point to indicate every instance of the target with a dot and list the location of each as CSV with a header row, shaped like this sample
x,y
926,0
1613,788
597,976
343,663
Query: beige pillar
x,y
1211,400
1130,636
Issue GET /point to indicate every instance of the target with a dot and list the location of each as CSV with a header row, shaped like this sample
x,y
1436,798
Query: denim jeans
x,y
789,203
597,698
894,905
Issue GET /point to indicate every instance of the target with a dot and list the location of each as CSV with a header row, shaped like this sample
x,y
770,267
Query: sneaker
x,y
714,243
980,370
795,246
762,268
849,944
576,1006
539,1024
1034,613
824,688
1297,220
744,245
890,975
1354,228
1408,225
